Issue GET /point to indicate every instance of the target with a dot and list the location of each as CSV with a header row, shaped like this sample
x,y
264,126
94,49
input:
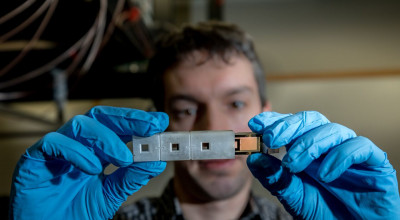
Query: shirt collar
x,y
171,203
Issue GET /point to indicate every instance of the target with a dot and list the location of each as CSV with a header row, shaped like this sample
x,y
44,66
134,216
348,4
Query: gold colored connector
x,y
249,142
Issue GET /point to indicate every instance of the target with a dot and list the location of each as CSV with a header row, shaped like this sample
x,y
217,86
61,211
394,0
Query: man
x,y
328,172
208,77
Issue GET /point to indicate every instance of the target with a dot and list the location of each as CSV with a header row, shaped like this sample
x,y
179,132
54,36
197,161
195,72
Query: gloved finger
x,y
313,144
268,170
58,146
358,150
125,181
281,131
260,122
128,122
91,133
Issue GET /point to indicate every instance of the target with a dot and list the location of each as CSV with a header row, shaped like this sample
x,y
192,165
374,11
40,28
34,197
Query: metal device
x,y
197,145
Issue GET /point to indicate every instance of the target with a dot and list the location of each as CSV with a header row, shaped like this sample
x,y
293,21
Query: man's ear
x,y
267,107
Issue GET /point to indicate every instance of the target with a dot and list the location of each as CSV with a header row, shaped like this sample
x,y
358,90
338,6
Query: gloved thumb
x,y
268,170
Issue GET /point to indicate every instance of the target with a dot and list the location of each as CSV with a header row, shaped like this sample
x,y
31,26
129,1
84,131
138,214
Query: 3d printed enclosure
x,y
195,145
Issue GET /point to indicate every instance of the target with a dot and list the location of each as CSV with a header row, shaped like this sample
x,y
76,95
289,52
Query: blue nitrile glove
x,y
61,176
328,171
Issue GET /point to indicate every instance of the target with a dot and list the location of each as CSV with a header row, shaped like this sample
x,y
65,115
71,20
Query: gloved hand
x,y
328,172
61,176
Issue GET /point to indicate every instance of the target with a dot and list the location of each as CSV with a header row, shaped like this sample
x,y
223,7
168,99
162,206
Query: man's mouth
x,y
216,164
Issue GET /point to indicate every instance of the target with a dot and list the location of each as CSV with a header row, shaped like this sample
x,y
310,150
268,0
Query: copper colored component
x,y
249,142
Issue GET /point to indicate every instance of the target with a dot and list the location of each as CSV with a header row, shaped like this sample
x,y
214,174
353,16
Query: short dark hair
x,y
217,38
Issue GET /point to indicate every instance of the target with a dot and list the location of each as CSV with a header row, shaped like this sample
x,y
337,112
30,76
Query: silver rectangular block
x,y
184,145
175,146
146,148
207,145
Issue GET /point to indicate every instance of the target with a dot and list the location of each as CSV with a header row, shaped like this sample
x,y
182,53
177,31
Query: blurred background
x,y
60,58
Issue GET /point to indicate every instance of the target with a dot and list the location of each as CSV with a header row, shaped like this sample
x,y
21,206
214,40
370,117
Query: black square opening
x,y
144,148
174,147
205,146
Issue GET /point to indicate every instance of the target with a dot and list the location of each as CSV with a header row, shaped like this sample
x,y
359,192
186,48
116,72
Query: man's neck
x,y
230,208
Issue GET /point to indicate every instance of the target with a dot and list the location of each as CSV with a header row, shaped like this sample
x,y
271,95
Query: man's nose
x,y
212,119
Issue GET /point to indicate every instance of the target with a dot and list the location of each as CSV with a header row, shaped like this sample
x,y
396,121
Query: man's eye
x,y
185,112
238,104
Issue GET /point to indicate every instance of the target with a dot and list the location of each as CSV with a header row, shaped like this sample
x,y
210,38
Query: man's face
x,y
213,95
